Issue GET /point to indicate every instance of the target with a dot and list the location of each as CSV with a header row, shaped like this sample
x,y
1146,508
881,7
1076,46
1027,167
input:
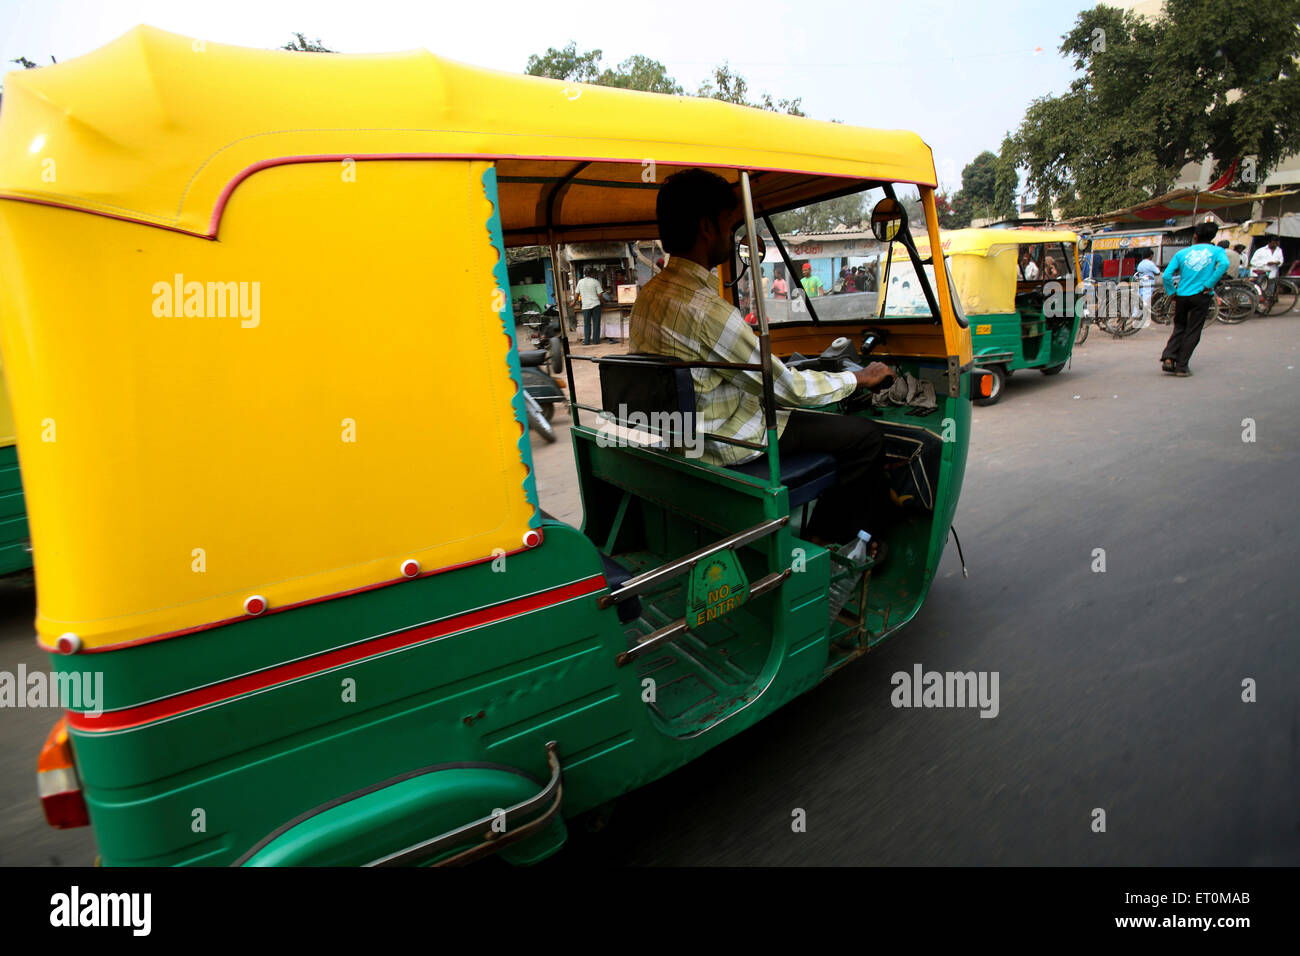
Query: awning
x,y
1179,203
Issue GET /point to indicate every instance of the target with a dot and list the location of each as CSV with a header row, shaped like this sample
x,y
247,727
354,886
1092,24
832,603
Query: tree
x,y
948,216
301,44
960,216
1210,78
566,64
25,63
639,72
731,87
988,187
821,216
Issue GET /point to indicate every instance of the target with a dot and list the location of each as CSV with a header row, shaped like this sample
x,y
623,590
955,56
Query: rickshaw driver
x,y
679,313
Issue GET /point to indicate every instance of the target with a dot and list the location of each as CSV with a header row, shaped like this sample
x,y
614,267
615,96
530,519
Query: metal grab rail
x,y
650,429
633,359
676,629
493,840
648,579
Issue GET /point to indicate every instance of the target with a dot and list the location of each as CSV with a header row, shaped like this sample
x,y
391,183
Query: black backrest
x,y
643,383
649,385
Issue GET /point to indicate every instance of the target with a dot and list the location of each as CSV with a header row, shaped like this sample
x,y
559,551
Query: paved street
x,y
1119,690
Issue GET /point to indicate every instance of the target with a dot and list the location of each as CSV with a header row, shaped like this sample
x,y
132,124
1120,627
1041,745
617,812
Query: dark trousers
x,y
1189,318
591,330
859,499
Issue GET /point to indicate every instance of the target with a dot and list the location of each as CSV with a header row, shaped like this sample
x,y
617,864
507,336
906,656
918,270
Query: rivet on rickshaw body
x,y
254,605
68,643
410,567
532,538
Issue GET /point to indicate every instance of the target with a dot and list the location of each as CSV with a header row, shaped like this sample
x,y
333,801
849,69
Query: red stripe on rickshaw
x,y
177,704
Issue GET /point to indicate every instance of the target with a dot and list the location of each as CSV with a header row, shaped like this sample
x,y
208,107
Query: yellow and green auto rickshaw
x,y
1018,290
285,504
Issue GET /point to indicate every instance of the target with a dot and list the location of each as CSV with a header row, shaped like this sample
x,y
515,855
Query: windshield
x,y
824,264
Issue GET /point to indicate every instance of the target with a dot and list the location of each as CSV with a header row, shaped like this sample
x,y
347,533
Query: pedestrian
x,y
811,284
1268,259
1029,268
869,280
780,289
1147,272
1243,264
1234,264
1198,267
590,293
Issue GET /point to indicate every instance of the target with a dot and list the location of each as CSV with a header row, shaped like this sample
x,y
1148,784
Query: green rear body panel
x,y
1021,340
15,540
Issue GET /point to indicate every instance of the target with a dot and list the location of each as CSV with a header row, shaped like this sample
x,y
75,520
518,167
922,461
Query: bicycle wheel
x,y
1284,298
1163,311
1235,305
1246,290
1085,324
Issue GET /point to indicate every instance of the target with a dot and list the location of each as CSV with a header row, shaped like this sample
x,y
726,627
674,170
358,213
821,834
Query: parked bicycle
x,y
1230,305
1114,306
1276,296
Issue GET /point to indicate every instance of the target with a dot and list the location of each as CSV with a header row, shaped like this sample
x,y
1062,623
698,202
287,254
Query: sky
x,y
959,74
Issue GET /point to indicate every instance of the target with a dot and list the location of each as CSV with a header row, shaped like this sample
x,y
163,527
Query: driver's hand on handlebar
x,y
874,374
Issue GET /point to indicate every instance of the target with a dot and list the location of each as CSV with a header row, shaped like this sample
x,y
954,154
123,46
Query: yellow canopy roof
x,y
160,128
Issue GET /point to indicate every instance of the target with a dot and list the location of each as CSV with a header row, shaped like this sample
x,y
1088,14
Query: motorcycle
x,y
541,392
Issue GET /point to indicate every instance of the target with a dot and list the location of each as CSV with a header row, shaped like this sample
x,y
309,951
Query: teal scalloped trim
x,y
508,326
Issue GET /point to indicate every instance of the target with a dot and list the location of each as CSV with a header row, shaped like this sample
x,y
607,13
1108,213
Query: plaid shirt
x,y
680,314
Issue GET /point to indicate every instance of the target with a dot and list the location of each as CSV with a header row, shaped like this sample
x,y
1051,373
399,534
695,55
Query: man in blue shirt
x,y
1147,272
1198,267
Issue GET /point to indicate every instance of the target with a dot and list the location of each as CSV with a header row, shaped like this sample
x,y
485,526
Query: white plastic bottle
x,y
857,551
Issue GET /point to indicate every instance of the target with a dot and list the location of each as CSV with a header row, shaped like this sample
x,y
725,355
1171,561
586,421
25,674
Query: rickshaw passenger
x,y
679,313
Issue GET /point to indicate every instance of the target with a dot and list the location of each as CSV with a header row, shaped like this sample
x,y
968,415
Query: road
x,y
1119,690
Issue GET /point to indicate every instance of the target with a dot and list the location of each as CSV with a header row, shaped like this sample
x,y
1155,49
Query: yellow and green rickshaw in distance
x,y
1016,322
305,550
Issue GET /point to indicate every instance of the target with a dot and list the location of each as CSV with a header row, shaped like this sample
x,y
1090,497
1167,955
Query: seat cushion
x,y
805,475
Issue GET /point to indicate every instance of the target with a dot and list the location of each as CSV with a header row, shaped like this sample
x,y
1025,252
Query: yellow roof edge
x,y
980,241
157,127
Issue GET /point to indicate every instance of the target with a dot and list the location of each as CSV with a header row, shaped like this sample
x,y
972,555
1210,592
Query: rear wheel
x,y
1053,369
1235,305
1285,300
1085,323
1163,313
999,382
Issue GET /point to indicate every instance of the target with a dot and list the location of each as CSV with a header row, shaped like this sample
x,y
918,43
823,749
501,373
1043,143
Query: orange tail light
x,y
57,783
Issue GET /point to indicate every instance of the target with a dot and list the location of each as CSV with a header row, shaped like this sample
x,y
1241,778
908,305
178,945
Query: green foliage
x,y
301,44
566,64
731,87
949,217
821,216
25,63
639,72
1210,78
988,188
